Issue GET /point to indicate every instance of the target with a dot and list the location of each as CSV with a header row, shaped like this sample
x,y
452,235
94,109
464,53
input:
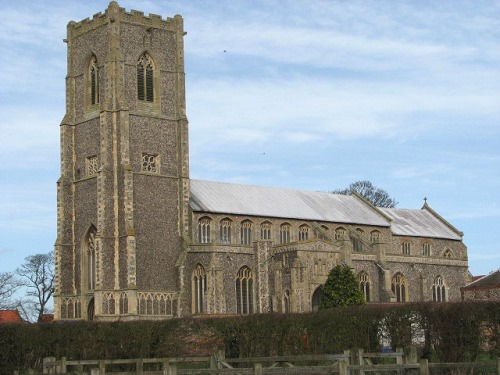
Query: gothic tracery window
x,y
244,291
199,289
246,232
91,165
93,81
405,248
225,231
364,285
426,249
374,236
265,230
438,290
204,230
90,249
399,287
150,163
340,233
304,233
285,233
145,78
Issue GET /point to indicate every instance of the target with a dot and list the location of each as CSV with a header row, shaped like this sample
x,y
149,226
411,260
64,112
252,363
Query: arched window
x,y
426,249
90,259
316,298
285,233
265,230
199,289
405,248
286,302
246,232
225,231
399,287
340,233
438,290
204,230
357,244
93,73
304,232
145,78
364,285
374,236
244,291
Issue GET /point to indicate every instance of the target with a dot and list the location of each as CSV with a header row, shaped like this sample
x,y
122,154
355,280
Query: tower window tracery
x,y
93,81
145,78
199,289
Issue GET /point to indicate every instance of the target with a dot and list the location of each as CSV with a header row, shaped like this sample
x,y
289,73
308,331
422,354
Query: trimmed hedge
x,y
449,332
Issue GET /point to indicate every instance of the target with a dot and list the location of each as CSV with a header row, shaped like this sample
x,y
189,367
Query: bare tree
x,y
378,197
37,273
9,284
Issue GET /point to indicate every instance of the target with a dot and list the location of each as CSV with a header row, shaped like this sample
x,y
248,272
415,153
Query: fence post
x,y
63,365
102,367
399,360
424,366
356,360
410,358
498,365
46,369
343,369
257,369
139,366
165,364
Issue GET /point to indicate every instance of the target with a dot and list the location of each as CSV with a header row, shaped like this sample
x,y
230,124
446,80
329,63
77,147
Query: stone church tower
x,y
123,193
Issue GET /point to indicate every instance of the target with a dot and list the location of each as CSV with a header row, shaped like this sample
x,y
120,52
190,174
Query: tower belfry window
x,y
93,81
145,75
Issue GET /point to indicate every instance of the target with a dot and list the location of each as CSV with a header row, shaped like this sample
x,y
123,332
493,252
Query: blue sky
x,y
309,95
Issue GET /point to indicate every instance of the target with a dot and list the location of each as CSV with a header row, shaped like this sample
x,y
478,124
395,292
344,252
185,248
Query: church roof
x,y
226,198
420,223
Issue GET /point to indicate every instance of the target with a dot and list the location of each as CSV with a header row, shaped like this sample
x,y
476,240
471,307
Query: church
x,y
137,238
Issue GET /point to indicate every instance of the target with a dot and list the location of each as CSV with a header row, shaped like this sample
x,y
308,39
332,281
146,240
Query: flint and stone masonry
x,y
138,239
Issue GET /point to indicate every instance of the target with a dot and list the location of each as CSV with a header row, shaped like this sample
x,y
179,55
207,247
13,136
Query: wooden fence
x,y
351,362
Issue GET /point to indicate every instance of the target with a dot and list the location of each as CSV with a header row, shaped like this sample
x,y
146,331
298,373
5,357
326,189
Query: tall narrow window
x,y
374,236
244,291
246,232
94,81
199,288
286,301
399,287
438,290
225,231
364,285
204,230
405,248
285,233
426,249
145,75
304,233
265,230
90,248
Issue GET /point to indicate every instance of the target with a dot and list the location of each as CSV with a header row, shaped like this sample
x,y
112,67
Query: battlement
x,y
114,13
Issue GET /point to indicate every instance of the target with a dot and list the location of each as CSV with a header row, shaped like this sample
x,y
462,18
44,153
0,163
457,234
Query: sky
x,y
310,95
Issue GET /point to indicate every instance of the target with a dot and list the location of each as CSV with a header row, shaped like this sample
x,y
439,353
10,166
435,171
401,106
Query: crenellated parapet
x,y
114,13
